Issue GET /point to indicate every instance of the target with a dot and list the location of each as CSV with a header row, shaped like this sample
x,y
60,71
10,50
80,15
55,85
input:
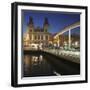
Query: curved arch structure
x,y
68,28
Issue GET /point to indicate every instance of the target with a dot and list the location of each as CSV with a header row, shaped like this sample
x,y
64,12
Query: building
x,y
63,41
37,35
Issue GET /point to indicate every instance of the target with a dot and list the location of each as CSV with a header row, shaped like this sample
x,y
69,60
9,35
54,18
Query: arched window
x,y
46,37
38,37
41,37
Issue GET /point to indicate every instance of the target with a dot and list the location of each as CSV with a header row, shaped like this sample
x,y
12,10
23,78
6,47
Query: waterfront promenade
x,y
73,56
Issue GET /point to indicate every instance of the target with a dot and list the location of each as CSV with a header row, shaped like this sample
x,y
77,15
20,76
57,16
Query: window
x,y
46,37
35,37
30,37
41,37
38,37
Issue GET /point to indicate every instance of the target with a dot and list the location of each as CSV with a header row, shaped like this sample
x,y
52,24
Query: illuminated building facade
x,y
41,36
37,35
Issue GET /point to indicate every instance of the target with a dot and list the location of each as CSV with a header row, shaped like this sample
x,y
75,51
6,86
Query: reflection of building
x,y
37,35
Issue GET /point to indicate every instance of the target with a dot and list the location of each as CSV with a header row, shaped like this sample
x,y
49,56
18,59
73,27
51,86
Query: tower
x,y
31,25
30,29
46,25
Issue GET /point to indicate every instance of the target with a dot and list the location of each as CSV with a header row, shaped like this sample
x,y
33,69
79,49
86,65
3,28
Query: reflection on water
x,y
36,65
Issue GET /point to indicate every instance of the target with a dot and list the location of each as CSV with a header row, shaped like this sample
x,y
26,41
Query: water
x,y
45,64
37,65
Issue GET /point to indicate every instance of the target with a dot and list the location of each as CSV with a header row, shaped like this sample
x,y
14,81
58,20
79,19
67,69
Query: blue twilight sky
x,y
57,20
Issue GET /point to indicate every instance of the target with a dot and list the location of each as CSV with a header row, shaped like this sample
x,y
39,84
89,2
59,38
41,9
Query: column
x,y
69,41
44,37
58,41
40,37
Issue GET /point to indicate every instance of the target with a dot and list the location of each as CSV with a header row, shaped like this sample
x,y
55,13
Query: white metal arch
x,y
70,27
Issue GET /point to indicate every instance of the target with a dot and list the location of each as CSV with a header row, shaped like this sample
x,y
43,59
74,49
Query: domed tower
x,y
46,25
31,25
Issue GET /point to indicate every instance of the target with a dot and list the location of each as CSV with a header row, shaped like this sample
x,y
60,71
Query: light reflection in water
x,y
36,65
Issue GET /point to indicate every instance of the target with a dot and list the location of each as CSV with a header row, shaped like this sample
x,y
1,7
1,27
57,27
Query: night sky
x,y
57,20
